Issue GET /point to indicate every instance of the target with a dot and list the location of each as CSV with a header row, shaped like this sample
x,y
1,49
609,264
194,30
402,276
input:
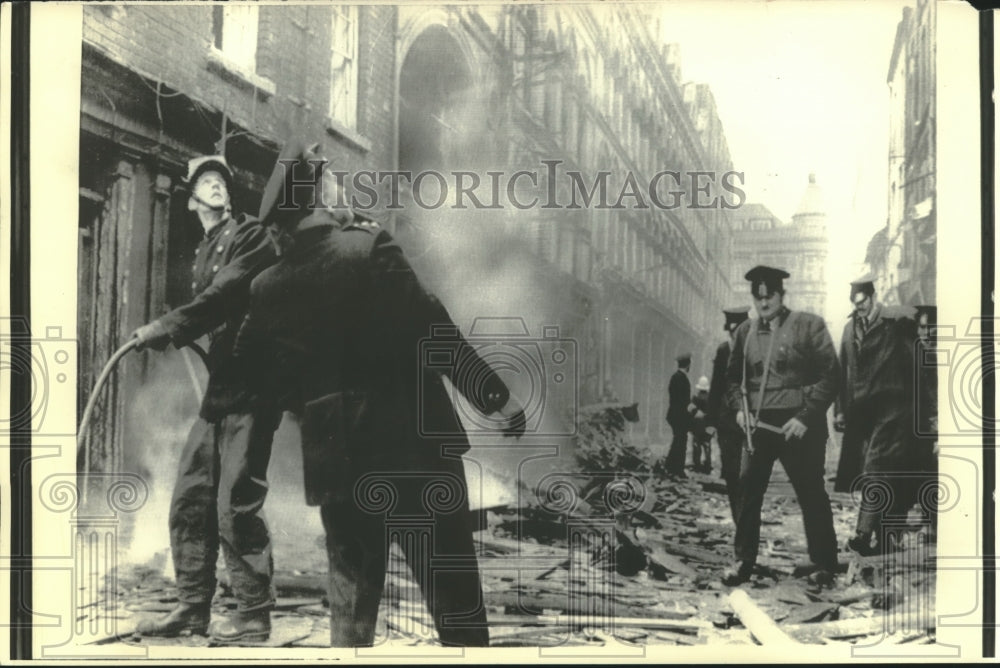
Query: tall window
x,y
344,66
234,30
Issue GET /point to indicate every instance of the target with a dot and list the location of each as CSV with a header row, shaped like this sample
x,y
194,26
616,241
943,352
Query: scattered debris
x,y
756,620
648,574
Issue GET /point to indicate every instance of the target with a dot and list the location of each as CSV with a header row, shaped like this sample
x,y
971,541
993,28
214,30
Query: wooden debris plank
x,y
676,638
696,553
504,632
283,603
690,625
861,626
519,568
316,610
757,621
314,584
511,547
791,593
668,562
812,613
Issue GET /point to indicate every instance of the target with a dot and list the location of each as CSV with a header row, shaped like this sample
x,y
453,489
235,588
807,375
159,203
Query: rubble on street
x,y
646,577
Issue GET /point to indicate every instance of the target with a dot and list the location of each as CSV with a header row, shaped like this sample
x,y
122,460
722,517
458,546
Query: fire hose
x,y
82,434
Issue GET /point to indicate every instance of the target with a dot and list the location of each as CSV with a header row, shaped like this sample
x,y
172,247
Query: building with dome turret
x,y
800,247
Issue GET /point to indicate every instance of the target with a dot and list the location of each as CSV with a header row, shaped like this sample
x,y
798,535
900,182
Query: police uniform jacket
x,y
338,331
229,256
802,381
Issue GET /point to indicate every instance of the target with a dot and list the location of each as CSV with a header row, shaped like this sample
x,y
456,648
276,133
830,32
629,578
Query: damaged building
x,y
402,88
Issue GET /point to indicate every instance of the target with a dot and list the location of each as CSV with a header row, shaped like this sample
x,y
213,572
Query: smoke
x,y
159,419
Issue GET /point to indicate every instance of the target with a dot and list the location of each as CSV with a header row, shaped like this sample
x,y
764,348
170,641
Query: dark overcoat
x,y
679,393
877,384
340,332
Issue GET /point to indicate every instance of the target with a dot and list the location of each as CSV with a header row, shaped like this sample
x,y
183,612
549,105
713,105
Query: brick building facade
x,y
492,88
164,84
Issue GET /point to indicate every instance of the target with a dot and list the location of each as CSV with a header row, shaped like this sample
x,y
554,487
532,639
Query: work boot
x,y
738,574
861,543
242,627
186,618
821,577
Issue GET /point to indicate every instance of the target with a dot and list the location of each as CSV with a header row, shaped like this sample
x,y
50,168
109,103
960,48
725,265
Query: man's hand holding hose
x,y
153,335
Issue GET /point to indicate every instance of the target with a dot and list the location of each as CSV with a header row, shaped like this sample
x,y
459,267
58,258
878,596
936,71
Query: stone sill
x,y
353,138
219,63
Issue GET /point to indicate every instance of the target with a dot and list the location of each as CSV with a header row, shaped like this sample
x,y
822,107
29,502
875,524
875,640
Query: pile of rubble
x,y
653,578
618,555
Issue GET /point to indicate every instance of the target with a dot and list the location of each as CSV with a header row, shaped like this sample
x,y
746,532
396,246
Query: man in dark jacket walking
x,y
679,393
342,324
876,411
221,485
782,378
722,417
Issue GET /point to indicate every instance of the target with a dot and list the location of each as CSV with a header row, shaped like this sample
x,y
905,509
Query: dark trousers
x,y
803,461
889,467
218,500
924,492
701,452
732,455
678,447
425,510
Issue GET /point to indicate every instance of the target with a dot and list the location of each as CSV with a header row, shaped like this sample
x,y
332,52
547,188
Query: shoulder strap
x,y
775,331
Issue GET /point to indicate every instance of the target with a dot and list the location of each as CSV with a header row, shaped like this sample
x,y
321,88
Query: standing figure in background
x,y
722,417
679,393
222,482
782,378
876,409
701,428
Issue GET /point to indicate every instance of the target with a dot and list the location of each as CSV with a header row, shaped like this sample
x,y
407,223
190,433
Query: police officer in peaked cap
x,y
782,378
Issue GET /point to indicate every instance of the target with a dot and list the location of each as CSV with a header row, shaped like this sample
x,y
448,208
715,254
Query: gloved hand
x,y
838,422
153,335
